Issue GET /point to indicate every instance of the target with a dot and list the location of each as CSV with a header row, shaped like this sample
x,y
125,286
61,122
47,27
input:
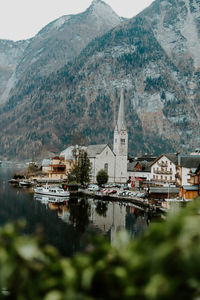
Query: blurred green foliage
x,y
162,264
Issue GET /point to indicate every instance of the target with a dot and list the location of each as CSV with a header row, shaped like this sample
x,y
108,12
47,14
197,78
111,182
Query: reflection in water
x,y
71,224
104,217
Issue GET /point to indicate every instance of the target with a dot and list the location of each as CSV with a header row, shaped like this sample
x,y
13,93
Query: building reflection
x,y
107,218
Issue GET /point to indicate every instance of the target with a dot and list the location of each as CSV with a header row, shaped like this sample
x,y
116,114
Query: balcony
x,y
162,172
162,164
61,169
162,181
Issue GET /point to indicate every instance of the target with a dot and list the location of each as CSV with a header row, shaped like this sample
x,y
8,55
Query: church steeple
x,y
120,146
121,125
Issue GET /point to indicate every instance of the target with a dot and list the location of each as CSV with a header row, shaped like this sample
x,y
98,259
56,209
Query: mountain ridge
x,y
81,98
61,41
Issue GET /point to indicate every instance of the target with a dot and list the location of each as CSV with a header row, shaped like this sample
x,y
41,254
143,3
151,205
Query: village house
x,y
57,168
163,170
46,165
188,176
139,173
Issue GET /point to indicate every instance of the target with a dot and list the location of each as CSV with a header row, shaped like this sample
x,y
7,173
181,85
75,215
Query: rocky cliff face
x,y
10,56
154,56
61,41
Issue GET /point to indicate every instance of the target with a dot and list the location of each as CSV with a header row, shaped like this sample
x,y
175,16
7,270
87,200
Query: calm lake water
x,y
70,226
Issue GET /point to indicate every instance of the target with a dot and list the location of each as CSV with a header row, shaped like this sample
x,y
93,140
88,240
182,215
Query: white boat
x,y
51,191
25,183
53,199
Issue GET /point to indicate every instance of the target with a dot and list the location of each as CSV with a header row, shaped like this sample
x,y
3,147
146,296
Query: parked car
x,y
141,195
93,187
122,193
112,192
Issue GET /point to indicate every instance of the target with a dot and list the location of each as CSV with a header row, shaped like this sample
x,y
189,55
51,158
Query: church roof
x,y
93,150
68,153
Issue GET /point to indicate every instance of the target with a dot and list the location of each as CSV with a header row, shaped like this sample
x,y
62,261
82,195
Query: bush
x,y
102,177
163,264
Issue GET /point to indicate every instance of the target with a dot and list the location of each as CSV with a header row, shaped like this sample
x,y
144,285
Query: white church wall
x,y
121,174
105,160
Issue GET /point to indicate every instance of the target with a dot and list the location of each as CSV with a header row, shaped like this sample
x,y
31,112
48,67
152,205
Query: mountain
x,y
62,40
153,56
10,56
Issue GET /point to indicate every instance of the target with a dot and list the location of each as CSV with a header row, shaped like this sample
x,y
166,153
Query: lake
x,y
70,226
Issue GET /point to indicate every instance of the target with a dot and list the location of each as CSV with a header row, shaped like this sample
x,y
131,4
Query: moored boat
x,y
25,183
52,199
51,191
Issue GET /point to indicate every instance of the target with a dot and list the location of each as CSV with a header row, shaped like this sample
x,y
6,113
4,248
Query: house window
x,y
106,167
106,152
115,140
123,141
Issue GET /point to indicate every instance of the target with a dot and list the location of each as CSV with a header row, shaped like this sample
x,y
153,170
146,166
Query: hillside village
x,y
168,171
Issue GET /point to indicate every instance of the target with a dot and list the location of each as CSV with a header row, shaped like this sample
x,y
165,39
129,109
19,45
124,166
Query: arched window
x,y
106,167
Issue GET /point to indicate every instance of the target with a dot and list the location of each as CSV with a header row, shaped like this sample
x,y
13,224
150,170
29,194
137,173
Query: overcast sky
x,y
22,19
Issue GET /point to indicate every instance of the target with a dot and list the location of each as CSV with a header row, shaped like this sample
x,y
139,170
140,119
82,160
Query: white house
x,y
163,169
139,171
187,177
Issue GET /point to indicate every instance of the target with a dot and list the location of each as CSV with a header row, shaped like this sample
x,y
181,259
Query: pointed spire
x,y
121,120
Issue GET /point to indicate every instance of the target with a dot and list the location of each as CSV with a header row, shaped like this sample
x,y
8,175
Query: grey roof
x,y
164,190
191,187
173,157
68,153
46,162
94,150
131,166
190,162
144,164
146,157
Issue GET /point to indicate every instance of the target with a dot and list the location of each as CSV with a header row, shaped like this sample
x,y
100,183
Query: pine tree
x,y
82,167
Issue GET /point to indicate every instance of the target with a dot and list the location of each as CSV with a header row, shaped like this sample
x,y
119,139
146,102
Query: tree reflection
x,y
79,214
101,208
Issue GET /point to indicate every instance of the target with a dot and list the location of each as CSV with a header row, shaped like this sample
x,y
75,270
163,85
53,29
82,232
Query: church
x,y
103,157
